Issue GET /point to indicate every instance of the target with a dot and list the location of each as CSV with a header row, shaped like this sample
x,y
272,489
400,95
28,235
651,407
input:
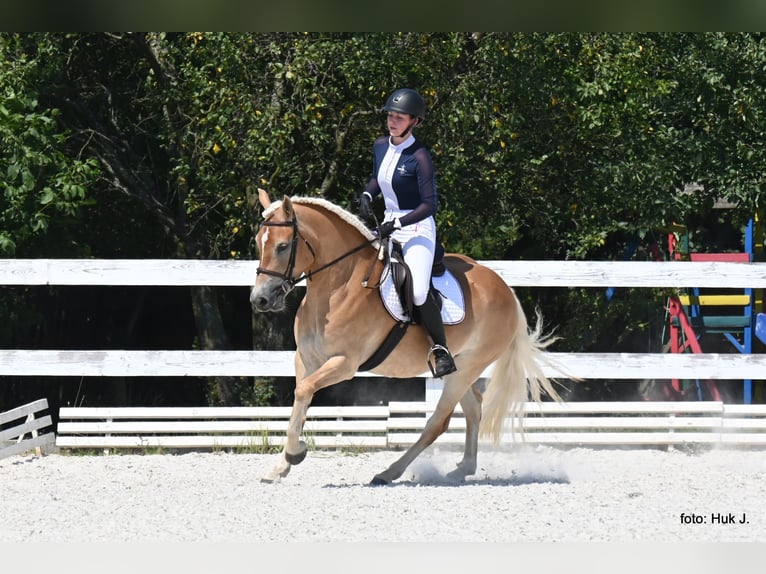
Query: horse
x,y
341,322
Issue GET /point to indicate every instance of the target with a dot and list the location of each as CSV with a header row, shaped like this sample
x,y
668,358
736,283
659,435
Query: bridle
x,y
288,280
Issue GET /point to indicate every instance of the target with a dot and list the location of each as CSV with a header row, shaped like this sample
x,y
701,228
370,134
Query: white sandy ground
x,y
520,494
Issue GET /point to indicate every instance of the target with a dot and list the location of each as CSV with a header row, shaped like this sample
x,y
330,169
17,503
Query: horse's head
x,y
283,258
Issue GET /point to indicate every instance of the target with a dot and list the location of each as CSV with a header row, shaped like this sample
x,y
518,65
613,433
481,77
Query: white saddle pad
x,y
453,304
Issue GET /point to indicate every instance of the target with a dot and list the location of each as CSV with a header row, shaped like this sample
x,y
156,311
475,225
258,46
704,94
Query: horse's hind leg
x,y
454,388
471,404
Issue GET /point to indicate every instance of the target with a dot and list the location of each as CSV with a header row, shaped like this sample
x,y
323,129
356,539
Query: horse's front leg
x,y
333,371
294,450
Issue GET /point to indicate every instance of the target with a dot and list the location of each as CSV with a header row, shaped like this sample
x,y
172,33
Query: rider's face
x,y
398,123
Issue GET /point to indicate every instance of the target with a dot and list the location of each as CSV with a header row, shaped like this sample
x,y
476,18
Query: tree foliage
x,y
40,180
547,146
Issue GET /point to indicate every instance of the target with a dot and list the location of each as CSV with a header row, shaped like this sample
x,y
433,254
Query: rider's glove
x,y
365,205
388,227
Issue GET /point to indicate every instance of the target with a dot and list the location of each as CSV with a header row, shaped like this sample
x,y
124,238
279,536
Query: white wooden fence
x,y
618,366
613,366
30,419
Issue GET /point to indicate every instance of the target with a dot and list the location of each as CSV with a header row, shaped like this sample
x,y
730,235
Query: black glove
x,y
386,229
365,206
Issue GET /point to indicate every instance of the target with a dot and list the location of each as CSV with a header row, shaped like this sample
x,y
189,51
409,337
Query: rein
x,y
288,281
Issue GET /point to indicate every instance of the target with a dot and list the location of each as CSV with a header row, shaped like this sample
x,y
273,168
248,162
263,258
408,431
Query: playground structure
x,y
737,315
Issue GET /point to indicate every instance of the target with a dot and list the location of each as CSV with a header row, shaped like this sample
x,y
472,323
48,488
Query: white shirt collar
x,y
404,145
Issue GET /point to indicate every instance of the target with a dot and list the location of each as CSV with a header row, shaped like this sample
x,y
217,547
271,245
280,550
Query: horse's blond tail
x,y
517,376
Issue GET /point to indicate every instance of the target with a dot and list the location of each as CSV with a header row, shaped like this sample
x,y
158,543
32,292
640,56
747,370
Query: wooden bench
x,y
399,425
13,431
217,427
744,425
603,424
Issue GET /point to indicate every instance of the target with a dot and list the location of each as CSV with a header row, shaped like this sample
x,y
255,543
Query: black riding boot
x,y
431,318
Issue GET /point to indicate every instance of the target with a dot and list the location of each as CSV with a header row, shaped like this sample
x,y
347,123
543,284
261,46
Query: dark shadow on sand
x,y
443,481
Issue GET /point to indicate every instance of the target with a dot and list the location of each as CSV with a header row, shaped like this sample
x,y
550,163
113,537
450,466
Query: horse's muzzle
x,y
268,299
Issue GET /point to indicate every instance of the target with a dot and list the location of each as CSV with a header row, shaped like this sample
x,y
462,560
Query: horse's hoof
x,y
299,456
455,477
267,481
378,481
461,472
295,458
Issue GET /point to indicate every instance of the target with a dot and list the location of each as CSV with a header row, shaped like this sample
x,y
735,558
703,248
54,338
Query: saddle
x,y
402,280
402,277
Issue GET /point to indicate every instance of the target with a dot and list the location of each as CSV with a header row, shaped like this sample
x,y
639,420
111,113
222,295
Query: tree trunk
x,y
212,335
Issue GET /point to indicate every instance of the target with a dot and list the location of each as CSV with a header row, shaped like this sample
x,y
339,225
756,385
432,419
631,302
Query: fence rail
x,y
189,272
120,363
161,272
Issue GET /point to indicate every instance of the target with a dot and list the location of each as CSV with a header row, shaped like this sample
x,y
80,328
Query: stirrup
x,y
444,363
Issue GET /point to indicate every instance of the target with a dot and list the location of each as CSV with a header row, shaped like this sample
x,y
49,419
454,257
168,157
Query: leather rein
x,y
288,280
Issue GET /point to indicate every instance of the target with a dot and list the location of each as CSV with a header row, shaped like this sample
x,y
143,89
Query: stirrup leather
x,y
446,369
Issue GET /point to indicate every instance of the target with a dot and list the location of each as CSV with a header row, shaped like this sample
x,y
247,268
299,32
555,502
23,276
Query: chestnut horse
x,y
341,322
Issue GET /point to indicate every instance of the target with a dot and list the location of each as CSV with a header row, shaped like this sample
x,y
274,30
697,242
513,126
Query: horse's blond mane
x,y
345,215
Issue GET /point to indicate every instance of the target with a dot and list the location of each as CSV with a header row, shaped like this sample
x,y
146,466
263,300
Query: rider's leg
x,y
419,254
430,316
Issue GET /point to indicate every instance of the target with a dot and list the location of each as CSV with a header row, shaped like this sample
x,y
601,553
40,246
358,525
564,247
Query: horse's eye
x,y
282,247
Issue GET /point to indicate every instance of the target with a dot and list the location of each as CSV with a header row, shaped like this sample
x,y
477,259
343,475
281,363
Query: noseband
x,y
288,280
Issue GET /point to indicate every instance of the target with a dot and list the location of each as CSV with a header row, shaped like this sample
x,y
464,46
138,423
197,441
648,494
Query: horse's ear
x,y
263,197
287,206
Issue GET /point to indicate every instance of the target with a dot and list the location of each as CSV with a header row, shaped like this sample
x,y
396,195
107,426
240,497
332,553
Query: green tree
x,y
550,146
43,185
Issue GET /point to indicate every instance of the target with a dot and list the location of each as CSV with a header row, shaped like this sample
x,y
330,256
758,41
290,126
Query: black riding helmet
x,y
406,101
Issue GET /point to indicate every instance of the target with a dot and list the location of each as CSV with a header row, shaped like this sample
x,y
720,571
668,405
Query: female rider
x,y
403,173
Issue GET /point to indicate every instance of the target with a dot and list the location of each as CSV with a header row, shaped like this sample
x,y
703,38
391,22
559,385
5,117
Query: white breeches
x,y
418,244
